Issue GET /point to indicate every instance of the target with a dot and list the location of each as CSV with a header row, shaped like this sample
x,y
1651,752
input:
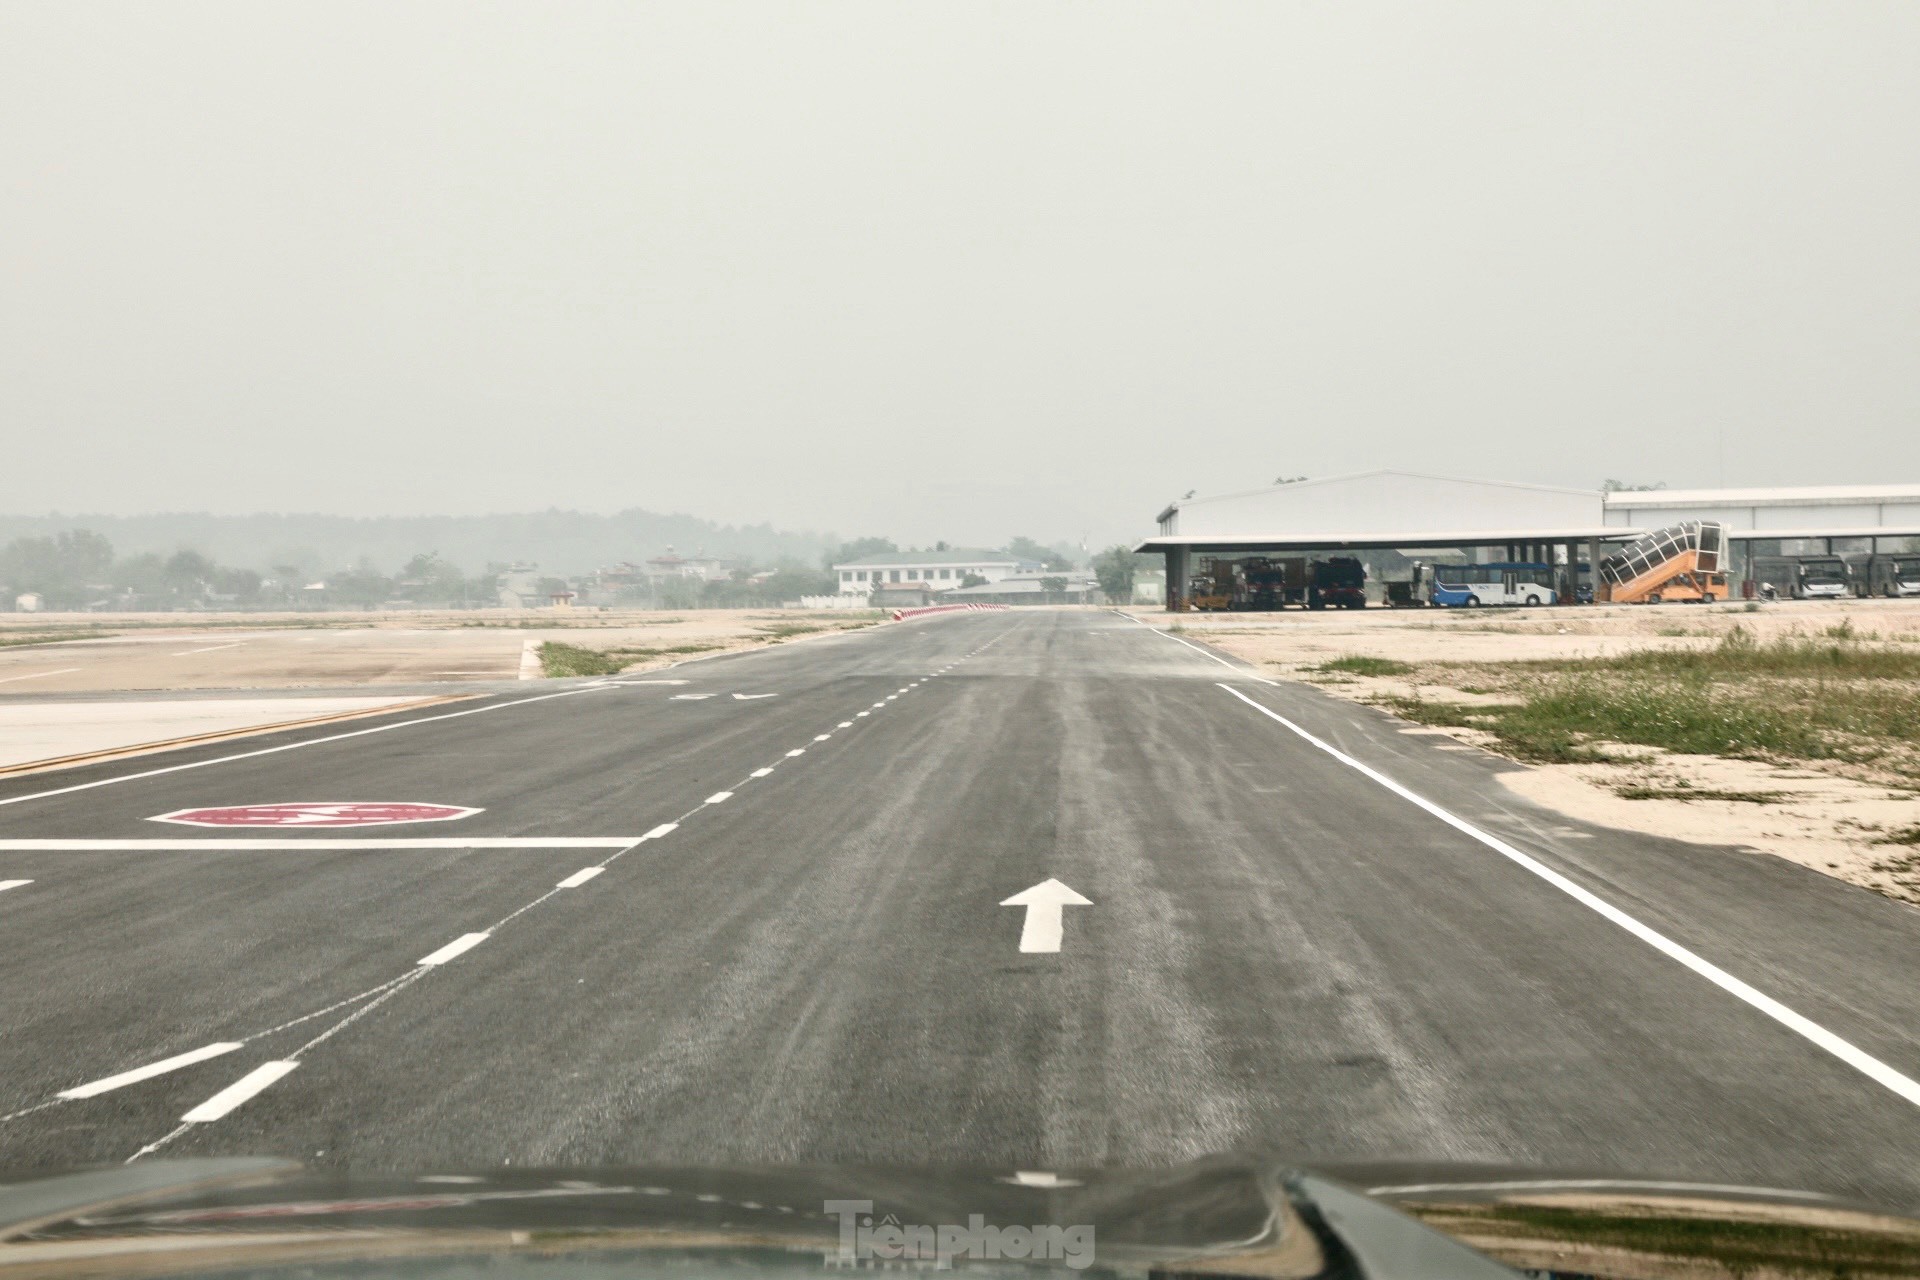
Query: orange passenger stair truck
x,y
1679,562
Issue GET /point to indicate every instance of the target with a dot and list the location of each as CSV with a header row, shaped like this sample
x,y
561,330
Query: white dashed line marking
x,y
846,724
458,947
255,1081
797,751
12,884
760,773
718,797
579,877
858,714
821,737
664,828
94,1088
40,675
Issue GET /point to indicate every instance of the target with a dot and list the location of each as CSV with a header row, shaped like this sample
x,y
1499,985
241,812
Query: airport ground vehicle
x,y
1679,562
1499,582
1410,592
1340,581
1255,583
1824,577
1214,586
1273,582
1892,575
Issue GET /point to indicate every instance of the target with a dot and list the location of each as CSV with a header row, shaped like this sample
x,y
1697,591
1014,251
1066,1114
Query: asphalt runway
x,y
782,938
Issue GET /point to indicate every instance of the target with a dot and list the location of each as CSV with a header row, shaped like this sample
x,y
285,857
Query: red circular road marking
x,y
316,814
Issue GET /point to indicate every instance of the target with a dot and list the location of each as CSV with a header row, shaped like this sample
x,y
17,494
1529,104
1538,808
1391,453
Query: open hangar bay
x,y
1564,532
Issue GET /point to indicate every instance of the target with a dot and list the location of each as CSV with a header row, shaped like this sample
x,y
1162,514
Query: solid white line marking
x,y
798,751
1847,1052
459,946
285,844
238,1092
719,797
12,884
760,773
93,1088
690,697
212,648
579,877
661,830
1205,653
40,675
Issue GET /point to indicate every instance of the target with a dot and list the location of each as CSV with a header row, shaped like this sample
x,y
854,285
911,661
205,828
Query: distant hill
x,y
560,542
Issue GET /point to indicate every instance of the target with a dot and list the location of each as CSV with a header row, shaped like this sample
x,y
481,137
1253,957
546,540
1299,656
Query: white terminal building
x,y
936,570
1496,520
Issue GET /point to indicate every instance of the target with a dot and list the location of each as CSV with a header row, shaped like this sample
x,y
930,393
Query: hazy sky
x,y
946,270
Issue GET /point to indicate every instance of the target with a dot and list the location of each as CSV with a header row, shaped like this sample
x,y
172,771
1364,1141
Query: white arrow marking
x,y
749,697
1046,905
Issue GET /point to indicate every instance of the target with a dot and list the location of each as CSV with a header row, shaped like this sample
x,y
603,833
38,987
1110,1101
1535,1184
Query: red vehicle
x,y
1340,581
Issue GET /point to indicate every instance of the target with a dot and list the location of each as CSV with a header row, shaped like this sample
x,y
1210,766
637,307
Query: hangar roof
x,y
1793,496
1351,540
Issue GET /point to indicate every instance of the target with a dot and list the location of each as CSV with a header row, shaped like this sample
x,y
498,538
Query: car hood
x,y
1221,1216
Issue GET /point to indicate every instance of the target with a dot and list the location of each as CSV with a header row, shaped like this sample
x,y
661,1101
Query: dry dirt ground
x,y
1826,816
182,678
110,653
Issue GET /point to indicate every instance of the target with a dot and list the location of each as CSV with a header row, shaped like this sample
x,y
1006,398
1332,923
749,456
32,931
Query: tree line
x,y
77,569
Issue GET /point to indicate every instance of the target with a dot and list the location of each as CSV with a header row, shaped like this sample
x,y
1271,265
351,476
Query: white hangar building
x,y
1490,519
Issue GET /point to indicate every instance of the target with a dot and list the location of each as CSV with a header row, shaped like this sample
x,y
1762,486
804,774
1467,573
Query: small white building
x,y
699,566
939,570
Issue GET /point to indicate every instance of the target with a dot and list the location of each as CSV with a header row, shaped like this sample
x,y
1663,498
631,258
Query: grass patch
x,y
1359,664
49,637
1739,654
1800,698
560,659
1682,791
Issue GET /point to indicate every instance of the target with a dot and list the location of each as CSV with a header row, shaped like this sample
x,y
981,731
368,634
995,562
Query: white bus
x,y
1470,585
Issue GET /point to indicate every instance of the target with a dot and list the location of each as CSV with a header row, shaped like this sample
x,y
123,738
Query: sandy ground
x,y
308,651
52,707
1821,820
35,733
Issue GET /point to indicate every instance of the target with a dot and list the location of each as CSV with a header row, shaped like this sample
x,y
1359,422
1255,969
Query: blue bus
x,y
1471,585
